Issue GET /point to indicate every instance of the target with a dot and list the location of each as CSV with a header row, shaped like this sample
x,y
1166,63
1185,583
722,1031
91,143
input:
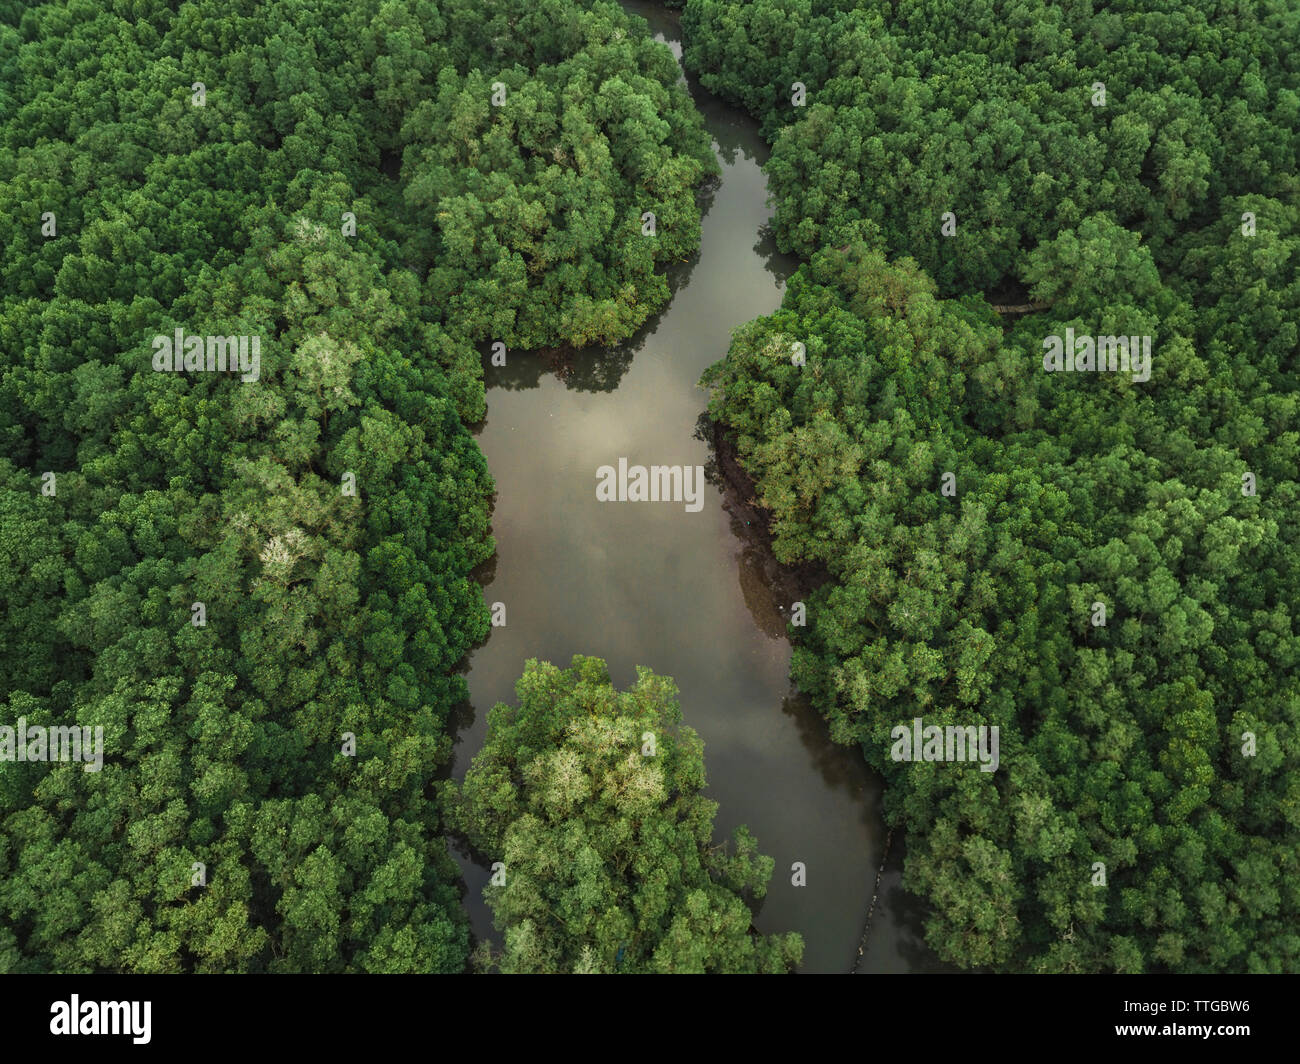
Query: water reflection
x,y
586,370
779,265
897,942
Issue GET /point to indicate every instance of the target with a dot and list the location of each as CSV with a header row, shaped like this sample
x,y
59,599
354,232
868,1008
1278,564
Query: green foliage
x,y
917,108
606,848
326,612
532,211
1120,744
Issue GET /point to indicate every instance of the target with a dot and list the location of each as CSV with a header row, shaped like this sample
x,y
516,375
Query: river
x,y
690,595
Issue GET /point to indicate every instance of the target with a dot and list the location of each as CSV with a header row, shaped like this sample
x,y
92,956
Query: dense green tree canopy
x,y
588,801
260,590
1121,744
1020,117
341,186
1159,747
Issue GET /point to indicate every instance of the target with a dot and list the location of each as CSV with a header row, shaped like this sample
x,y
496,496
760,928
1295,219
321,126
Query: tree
x,y
588,802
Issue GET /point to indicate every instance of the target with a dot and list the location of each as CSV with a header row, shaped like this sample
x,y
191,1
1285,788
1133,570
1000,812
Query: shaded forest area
x,y
1130,169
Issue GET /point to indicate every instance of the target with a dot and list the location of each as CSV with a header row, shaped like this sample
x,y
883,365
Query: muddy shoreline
x,y
754,521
